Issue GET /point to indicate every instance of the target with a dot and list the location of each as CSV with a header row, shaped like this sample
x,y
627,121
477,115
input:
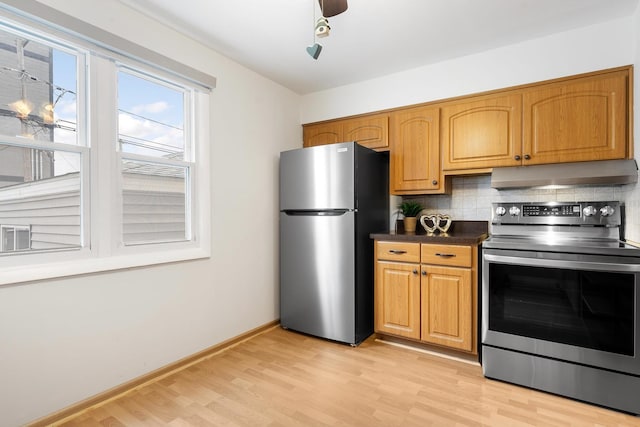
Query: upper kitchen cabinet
x,y
322,133
575,120
584,117
371,131
482,132
415,151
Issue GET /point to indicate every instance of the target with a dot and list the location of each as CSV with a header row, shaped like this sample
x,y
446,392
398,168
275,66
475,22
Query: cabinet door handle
x,y
415,271
445,255
434,182
517,157
397,251
424,273
527,157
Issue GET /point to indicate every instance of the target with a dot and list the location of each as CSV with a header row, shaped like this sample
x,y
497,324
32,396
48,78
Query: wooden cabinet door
x,y
397,299
370,131
583,119
482,133
446,307
322,134
415,151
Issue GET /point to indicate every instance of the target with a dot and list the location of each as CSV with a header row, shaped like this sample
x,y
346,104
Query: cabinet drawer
x,y
398,251
459,256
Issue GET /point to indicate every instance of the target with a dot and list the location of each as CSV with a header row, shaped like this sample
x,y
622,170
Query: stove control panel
x,y
558,213
556,210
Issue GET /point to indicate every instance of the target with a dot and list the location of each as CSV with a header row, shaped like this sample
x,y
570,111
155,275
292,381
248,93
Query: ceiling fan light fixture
x,y
314,50
332,7
322,27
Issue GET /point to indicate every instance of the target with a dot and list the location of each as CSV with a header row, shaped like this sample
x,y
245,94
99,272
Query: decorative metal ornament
x,y
431,223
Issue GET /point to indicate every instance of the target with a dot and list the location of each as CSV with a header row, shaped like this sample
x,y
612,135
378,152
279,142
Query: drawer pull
x,y
397,251
445,255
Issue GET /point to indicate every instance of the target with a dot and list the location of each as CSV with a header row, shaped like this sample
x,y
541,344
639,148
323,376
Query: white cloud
x,y
66,109
149,131
154,107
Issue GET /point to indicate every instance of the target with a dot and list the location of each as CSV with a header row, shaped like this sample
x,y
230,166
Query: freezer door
x,y
318,177
317,274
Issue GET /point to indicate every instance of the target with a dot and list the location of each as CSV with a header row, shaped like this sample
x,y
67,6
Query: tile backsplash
x,y
471,199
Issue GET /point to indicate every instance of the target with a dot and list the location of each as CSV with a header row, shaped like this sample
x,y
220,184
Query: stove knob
x,y
500,211
607,211
589,211
514,211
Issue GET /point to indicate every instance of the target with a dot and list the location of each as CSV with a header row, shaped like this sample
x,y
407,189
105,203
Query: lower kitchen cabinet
x,y
446,307
397,299
431,298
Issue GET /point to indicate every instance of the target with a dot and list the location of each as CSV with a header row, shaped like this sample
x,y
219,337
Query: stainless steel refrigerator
x,y
331,198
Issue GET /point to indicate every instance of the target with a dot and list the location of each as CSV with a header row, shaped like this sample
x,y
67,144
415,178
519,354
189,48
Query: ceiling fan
x,y
332,7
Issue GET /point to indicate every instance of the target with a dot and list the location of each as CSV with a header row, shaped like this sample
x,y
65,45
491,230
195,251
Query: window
x,y
41,149
100,155
15,238
155,153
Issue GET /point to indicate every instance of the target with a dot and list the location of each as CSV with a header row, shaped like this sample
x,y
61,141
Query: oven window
x,y
590,309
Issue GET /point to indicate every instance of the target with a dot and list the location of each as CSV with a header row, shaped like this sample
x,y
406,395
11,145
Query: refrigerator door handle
x,y
315,212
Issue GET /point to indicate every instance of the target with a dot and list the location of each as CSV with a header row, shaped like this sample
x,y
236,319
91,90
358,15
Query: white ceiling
x,y
373,37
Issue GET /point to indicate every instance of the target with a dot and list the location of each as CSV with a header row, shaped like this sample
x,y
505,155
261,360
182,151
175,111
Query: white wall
x,y
583,50
611,44
62,341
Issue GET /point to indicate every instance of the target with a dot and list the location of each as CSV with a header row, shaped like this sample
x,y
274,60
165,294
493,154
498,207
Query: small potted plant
x,y
410,209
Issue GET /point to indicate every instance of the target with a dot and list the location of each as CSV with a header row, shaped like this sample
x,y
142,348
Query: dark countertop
x,y
460,233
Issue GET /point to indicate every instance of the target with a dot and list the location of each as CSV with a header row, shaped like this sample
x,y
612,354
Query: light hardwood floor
x,y
281,378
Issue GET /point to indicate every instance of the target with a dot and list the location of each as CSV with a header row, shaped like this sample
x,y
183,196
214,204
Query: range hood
x,y
602,172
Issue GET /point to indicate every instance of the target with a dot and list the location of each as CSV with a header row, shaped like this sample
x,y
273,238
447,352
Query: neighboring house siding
x,y
153,208
51,207
153,217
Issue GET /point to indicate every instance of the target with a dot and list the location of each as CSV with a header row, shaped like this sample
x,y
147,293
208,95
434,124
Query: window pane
x,y
40,190
154,202
38,96
150,117
8,239
23,241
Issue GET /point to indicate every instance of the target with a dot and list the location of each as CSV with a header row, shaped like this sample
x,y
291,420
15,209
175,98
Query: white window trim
x,y
105,252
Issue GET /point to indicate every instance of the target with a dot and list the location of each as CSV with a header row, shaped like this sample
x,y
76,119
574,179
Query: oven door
x,y
573,307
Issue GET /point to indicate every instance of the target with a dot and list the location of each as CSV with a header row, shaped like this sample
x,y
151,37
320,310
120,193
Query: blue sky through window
x,y
65,90
151,117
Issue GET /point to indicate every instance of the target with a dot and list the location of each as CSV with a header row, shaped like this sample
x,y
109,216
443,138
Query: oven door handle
x,y
574,265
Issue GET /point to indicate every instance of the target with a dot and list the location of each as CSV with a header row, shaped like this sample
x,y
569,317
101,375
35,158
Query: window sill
x,y
81,264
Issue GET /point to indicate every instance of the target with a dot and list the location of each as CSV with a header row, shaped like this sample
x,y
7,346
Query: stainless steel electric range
x,y
560,298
